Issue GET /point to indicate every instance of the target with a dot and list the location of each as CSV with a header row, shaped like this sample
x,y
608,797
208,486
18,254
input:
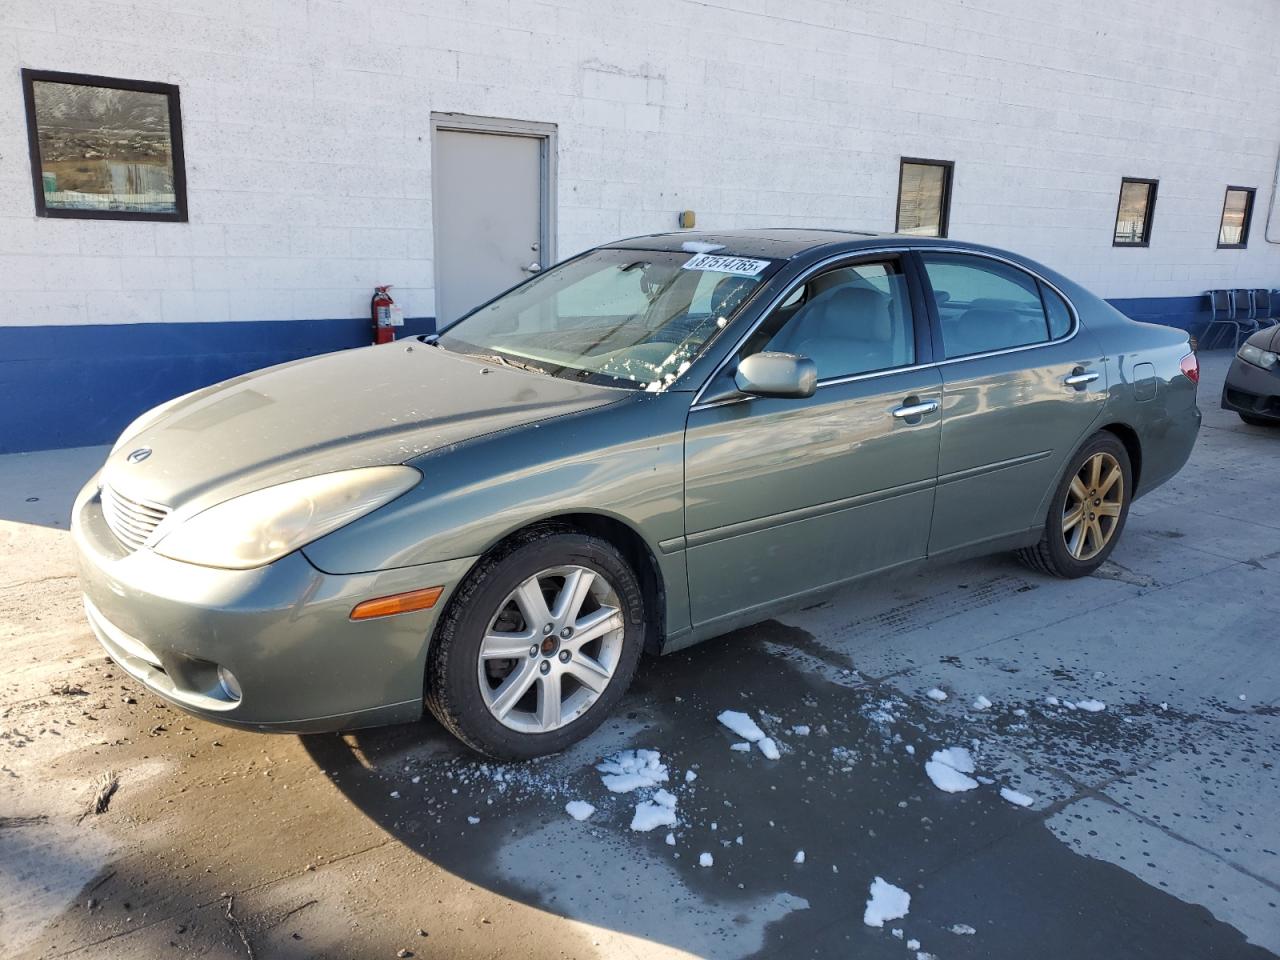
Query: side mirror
x,y
777,375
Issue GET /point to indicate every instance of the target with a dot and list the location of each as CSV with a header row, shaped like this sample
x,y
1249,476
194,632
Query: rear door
x,y
783,496
1022,384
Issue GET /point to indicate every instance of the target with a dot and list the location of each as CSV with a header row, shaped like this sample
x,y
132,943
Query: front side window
x,y
103,148
848,320
985,305
1237,211
622,317
924,197
1134,213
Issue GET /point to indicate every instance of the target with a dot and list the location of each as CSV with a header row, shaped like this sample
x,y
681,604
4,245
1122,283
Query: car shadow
x,y
847,792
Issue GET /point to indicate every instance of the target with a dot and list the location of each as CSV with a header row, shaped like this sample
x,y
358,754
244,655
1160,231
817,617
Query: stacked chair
x,y
1240,311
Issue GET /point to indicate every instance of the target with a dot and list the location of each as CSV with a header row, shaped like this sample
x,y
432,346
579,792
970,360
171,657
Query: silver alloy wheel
x,y
551,649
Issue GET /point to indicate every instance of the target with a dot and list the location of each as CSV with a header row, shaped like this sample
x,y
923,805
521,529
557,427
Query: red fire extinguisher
x,y
380,308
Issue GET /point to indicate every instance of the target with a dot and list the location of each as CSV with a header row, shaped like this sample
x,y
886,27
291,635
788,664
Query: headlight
x,y
1258,357
256,528
145,420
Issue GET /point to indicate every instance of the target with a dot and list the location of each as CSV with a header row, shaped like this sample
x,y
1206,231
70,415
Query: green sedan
x,y
650,444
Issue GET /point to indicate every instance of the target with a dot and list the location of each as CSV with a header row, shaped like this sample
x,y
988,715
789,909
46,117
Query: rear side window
x,y
986,305
1057,311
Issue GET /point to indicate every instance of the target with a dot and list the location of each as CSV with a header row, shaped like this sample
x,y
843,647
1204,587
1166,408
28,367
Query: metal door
x,y
490,191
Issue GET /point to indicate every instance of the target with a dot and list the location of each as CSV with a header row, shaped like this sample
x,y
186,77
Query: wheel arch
x,y
626,539
1132,446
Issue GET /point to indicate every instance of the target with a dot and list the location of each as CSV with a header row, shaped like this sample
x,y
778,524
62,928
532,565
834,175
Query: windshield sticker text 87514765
x,y
718,263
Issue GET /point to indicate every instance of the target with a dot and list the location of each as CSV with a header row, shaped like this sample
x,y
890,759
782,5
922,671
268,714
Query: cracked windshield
x,y
629,317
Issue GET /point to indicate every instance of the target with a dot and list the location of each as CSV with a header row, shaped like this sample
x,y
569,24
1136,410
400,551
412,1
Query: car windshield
x,y
624,317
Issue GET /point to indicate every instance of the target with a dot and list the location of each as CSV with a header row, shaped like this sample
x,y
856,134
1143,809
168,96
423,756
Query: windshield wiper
x,y
508,362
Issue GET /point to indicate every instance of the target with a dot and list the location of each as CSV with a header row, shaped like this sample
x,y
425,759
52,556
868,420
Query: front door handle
x,y
1079,377
915,409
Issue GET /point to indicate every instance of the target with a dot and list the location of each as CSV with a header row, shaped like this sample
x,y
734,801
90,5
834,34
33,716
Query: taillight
x,y
1190,367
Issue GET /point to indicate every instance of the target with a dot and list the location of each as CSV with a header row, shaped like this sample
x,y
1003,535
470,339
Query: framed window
x,y
1237,212
924,197
1134,212
103,148
849,320
985,305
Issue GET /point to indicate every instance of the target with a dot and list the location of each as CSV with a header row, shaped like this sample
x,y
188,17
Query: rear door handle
x,y
1080,378
915,409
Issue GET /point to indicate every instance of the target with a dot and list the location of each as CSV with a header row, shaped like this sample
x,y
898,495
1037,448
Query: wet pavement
x,y
1151,830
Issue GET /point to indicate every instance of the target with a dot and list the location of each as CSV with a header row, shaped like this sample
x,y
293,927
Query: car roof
x,y
773,242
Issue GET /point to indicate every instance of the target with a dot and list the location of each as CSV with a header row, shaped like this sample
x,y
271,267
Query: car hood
x,y
364,407
1266,339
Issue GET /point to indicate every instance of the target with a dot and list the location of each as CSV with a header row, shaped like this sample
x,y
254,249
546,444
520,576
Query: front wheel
x,y
538,645
1088,510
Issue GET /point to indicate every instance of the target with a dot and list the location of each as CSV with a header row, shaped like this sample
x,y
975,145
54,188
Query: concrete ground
x,y
1152,829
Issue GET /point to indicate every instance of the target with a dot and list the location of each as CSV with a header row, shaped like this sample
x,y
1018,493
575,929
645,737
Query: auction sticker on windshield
x,y
740,266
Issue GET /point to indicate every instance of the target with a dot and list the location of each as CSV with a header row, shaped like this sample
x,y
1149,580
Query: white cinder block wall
x,y
307,129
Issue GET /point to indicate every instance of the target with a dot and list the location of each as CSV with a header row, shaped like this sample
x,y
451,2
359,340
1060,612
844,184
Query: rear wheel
x,y
1088,510
537,646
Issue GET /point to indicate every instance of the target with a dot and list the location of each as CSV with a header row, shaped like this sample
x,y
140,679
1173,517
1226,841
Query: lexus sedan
x,y
648,445
1252,388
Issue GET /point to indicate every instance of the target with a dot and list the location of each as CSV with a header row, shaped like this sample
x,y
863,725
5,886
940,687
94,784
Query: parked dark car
x,y
1252,388
647,445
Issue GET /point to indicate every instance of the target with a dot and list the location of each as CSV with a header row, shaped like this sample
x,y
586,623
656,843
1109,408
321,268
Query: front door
x,y
1023,385
785,496
490,191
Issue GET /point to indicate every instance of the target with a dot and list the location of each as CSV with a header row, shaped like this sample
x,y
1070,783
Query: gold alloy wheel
x,y
1092,509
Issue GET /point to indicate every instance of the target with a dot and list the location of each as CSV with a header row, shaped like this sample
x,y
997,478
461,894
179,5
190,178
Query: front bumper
x,y
1252,390
284,631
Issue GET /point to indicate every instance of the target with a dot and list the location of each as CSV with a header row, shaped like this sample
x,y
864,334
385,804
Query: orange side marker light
x,y
423,599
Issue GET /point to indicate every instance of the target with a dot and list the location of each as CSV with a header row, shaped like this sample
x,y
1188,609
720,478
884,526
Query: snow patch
x,y
1093,706
948,768
660,811
981,703
957,758
886,902
700,246
913,944
705,860
936,694
799,857
579,809
768,748
630,769
741,724
1016,798
800,729
743,747
962,930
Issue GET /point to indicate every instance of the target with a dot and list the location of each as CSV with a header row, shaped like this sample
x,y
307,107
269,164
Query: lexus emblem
x,y
137,456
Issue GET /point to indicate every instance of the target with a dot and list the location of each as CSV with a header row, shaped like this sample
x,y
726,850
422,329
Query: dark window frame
x,y
944,210
1148,218
1248,218
179,215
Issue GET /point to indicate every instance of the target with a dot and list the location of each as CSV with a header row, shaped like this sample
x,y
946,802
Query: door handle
x,y
534,267
915,409
1080,377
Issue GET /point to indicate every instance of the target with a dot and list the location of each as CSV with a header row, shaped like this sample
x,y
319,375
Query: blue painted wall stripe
x,y
70,386
80,385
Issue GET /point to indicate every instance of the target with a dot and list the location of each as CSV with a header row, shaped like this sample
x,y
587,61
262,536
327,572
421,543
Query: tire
x,y
1258,421
492,674
1071,550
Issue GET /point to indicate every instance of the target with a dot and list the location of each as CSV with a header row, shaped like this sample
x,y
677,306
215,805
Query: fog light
x,y
229,684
